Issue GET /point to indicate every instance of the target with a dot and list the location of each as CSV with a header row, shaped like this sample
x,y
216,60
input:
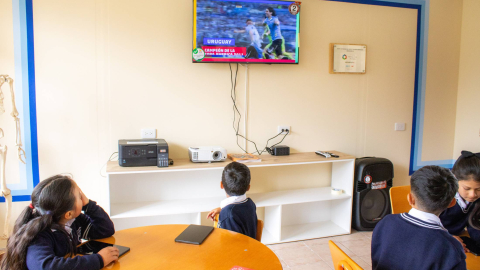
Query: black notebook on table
x,y
92,247
194,234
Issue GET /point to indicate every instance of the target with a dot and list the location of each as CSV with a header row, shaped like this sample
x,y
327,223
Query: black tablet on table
x,y
194,234
93,246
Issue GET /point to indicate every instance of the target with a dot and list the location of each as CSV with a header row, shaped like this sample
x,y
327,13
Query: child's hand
x,y
213,213
461,242
84,198
109,254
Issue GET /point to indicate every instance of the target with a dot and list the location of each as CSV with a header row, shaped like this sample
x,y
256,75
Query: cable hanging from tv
x,y
236,125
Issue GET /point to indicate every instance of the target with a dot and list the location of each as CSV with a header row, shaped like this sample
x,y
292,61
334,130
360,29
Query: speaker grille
x,y
361,186
373,205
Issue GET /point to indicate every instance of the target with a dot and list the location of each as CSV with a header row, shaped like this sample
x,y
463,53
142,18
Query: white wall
x,y
467,132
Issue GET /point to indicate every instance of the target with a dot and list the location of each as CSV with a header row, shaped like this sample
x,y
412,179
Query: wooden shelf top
x,y
267,160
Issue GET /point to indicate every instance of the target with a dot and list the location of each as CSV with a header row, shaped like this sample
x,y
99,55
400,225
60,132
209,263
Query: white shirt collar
x,y
68,226
232,200
462,203
426,217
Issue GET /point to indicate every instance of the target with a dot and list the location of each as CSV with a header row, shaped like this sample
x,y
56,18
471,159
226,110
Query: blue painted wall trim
x,y
25,88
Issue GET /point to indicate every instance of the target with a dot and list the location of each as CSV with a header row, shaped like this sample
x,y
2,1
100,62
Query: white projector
x,y
207,153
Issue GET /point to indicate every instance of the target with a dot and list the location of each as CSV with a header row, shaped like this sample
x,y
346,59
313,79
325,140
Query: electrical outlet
x,y
399,126
149,133
284,128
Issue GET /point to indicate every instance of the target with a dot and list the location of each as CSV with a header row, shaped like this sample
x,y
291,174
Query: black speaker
x,y
371,198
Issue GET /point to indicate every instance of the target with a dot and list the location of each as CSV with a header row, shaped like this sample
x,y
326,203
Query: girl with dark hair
x,y
47,232
456,218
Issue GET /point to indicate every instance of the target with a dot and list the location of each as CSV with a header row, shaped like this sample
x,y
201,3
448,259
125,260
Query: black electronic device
x,y
194,234
371,199
471,245
143,152
93,247
280,150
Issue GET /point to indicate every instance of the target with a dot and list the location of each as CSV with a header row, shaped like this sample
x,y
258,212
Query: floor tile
x,y
357,243
294,253
315,266
287,245
367,259
303,261
320,241
365,250
321,248
361,262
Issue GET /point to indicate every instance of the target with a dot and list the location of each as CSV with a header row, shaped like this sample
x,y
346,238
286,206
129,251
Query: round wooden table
x,y
154,247
473,262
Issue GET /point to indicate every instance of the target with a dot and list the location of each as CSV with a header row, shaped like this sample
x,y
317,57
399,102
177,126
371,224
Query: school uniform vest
x,y
49,248
455,219
402,241
240,217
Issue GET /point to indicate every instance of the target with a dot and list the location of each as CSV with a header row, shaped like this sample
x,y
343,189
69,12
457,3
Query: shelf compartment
x,y
310,231
169,207
127,223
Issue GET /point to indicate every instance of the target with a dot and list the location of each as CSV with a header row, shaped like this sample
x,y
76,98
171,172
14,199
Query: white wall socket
x,y
279,129
149,133
400,126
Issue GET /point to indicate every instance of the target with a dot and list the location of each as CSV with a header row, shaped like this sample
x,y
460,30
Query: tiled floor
x,y
315,254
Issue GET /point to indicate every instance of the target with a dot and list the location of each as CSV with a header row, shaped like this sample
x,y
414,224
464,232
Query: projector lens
x,y
217,155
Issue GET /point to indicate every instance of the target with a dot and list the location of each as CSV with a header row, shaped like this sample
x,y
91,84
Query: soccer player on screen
x,y
277,44
255,48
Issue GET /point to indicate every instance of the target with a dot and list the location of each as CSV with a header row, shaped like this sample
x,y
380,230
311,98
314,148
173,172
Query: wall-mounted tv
x,y
248,31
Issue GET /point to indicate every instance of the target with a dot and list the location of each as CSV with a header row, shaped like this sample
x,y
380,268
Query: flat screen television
x,y
248,31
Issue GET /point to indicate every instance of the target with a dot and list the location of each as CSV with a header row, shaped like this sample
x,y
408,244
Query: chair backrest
x,y
398,199
340,259
259,227
259,230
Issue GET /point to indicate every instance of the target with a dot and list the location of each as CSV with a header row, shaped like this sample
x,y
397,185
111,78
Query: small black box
x,y
280,150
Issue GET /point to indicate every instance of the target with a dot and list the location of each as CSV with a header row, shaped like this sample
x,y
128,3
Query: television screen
x,y
248,31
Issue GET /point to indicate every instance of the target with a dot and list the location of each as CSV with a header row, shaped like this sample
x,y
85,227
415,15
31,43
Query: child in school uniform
x,y
237,212
455,219
417,239
47,232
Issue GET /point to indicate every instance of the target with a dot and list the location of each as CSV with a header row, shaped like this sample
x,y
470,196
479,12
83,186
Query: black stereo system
x,y
371,195
280,150
145,152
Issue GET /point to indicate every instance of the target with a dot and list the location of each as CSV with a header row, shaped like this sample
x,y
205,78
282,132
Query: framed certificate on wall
x,y
348,58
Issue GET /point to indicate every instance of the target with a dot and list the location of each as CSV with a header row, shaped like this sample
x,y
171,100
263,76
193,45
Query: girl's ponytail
x,y
28,214
51,199
16,255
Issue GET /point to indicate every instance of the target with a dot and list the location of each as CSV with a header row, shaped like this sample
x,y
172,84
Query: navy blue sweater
x,y
455,219
240,217
403,242
49,248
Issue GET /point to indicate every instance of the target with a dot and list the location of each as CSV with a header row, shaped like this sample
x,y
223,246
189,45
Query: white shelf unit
x,y
185,192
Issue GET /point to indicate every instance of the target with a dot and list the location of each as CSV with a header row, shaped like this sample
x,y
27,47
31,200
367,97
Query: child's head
x,y
467,171
236,179
54,201
433,189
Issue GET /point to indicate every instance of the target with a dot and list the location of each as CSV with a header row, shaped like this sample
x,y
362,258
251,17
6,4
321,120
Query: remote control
x,y
325,154
333,155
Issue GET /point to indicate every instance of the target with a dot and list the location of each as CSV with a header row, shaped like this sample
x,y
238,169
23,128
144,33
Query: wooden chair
x,y
259,227
398,199
340,259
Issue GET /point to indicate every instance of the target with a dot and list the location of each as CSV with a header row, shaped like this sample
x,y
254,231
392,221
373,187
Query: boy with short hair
x,y
417,239
237,212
